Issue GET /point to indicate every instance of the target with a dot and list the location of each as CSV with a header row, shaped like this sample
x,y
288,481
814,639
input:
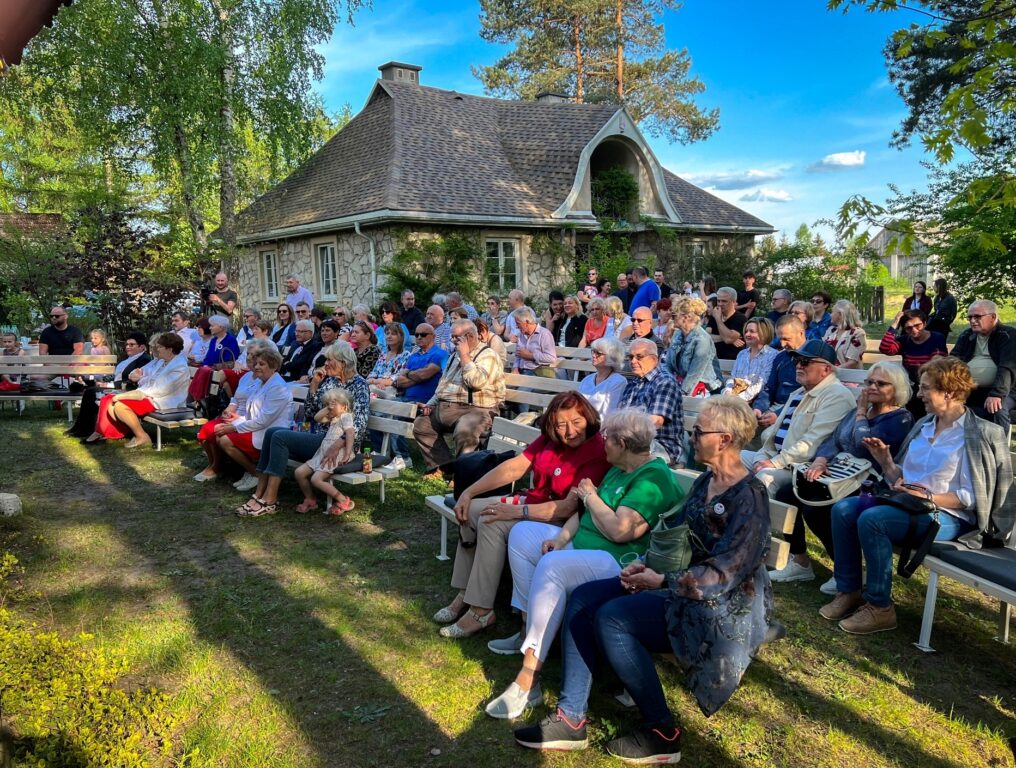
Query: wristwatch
x,y
525,511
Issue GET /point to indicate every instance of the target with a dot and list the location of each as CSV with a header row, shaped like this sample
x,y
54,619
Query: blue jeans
x,y
629,630
579,655
873,533
283,444
398,444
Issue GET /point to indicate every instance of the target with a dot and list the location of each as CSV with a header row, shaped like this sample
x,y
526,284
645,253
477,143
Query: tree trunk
x,y
190,203
579,63
619,21
227,150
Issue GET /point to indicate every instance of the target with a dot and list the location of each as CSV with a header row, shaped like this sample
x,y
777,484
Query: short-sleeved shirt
x,y
743,297
646,294
424,391
557,469
228,295
735,322
61,342
650,490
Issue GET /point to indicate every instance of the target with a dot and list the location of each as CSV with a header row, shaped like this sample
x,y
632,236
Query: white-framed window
x,y
269,265
327,270
502,265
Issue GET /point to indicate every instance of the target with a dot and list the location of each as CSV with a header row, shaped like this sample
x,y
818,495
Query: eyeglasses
x,y
875,383
914,327
978,317
423,335
642,356
597,354
697,433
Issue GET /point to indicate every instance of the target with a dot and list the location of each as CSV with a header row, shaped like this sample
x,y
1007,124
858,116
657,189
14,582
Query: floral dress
x,y
387,369
719,608
360,394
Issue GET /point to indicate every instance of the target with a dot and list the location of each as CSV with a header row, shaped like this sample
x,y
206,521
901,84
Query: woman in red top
x,y
569,449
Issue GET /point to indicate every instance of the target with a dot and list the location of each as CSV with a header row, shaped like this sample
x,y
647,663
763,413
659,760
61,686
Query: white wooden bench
x,y
505,435
178,418
544,389
64,367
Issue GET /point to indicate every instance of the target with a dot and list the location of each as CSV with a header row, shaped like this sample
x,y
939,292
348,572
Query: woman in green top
x,y
548,562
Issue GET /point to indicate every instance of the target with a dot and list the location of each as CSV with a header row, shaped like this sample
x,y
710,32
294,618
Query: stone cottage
x,y
420,161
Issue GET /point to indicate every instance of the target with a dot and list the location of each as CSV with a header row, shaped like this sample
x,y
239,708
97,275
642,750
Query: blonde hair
x,y
614,308
766,331
733,415
688,305
849,316
337,395
103,338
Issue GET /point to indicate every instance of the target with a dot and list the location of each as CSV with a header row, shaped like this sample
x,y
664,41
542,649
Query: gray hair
x,y
465,326
454,296
439,299
631,426
613,352
727,291
361,309
304,325
342,353
989,306
255,347
220,320
255,312
732,415
293,276
271,355
517,295
640,272
783,293
649,347
897,374
524,314
408,292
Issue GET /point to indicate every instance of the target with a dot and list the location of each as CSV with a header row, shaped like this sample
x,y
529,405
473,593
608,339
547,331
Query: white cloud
x,y
766,195
733,180
839,160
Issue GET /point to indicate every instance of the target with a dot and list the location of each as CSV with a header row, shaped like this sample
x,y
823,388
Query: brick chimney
x,y
400,73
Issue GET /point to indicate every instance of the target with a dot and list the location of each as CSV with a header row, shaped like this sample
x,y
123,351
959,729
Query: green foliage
x,y
34,270
615,194
805,265
575,46
66,708
429,265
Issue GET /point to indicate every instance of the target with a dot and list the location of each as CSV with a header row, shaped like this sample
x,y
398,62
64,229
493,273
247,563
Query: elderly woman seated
x,y
162,384
604,388
249,390
568,451
692,354
281,444
957,463
613,526
712,616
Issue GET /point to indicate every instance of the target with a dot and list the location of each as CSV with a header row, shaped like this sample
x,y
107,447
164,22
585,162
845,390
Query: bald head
x,y
434,315
425,336
642,321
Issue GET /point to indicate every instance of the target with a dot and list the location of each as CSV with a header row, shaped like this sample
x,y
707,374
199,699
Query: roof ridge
x,y
394,170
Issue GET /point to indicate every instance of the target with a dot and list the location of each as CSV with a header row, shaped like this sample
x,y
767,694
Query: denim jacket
x,y
692,358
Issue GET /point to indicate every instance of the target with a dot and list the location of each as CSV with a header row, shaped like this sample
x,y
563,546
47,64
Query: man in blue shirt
x,y
417,382
648,292
783,375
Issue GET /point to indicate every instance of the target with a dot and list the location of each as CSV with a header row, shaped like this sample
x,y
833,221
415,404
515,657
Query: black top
x,y
61,342
412,318
743,297
572,334
735,322
665,291
228,295
300,357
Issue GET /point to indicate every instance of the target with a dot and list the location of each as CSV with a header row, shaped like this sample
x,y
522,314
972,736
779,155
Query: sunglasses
x,y
56,317
817,301
423,335
804,362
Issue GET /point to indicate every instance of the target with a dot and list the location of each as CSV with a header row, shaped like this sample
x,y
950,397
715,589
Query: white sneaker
x,y
398,463
507,646
514,701
829,587
201,477
246,483
793,571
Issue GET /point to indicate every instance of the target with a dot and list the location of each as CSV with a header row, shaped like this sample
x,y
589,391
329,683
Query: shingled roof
x,y
415,151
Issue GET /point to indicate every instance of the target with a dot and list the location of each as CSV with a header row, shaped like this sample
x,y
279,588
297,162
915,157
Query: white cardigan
x,y
267,407
166,383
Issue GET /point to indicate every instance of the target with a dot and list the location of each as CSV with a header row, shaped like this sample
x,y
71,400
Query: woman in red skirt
x,y
163,385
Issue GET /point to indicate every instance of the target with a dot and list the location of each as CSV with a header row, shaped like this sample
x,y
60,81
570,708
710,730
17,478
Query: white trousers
x,y
541,583
774,480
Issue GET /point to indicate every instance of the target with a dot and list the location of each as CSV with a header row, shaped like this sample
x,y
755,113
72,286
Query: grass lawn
x,y
304,641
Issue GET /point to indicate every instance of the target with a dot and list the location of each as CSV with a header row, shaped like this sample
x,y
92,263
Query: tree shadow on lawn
x,y
322,682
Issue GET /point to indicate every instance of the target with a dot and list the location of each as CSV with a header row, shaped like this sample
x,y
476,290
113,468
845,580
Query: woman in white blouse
x,y
958,462
604,388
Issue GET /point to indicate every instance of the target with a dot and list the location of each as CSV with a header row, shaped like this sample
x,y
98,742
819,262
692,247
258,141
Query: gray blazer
x,y
987,446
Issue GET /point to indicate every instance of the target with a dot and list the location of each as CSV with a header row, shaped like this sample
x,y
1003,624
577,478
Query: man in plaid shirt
x,y
655,390
466,400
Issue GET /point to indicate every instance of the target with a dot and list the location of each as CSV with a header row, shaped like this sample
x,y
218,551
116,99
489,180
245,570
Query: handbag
x,y
912,551
843,476
467,469
669,545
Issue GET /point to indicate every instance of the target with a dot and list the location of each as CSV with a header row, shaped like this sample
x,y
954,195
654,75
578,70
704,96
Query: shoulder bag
x,y
843,476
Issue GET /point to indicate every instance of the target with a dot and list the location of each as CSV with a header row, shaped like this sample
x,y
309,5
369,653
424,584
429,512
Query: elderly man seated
x,y
655,390
989,349
467,398
810,415
300,356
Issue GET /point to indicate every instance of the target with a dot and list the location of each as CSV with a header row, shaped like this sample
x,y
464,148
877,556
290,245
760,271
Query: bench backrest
x,y
506,435
57,365
781,521
539,383
391,417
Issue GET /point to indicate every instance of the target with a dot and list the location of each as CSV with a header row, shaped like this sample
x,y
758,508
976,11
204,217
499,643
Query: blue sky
x,y
806,109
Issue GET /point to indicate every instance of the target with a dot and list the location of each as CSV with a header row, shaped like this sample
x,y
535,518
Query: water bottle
x,y
867,497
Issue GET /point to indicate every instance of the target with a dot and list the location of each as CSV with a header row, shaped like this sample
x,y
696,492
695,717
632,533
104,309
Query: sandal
x,y
341,507
246,507
456,632
308,505
264,509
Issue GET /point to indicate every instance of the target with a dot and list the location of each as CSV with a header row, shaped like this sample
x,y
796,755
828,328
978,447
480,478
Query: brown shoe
x,y
869,619
844,604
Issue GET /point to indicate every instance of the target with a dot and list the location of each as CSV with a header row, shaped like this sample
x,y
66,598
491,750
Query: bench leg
x,y
924,641
444,539
1004,611
158,437
382,489
70,412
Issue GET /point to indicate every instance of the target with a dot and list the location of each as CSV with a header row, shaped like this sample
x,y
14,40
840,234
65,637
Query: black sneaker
x,y
554,732
648,747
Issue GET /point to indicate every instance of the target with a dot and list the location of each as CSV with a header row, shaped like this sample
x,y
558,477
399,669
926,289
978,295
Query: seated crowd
x,y
580,540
